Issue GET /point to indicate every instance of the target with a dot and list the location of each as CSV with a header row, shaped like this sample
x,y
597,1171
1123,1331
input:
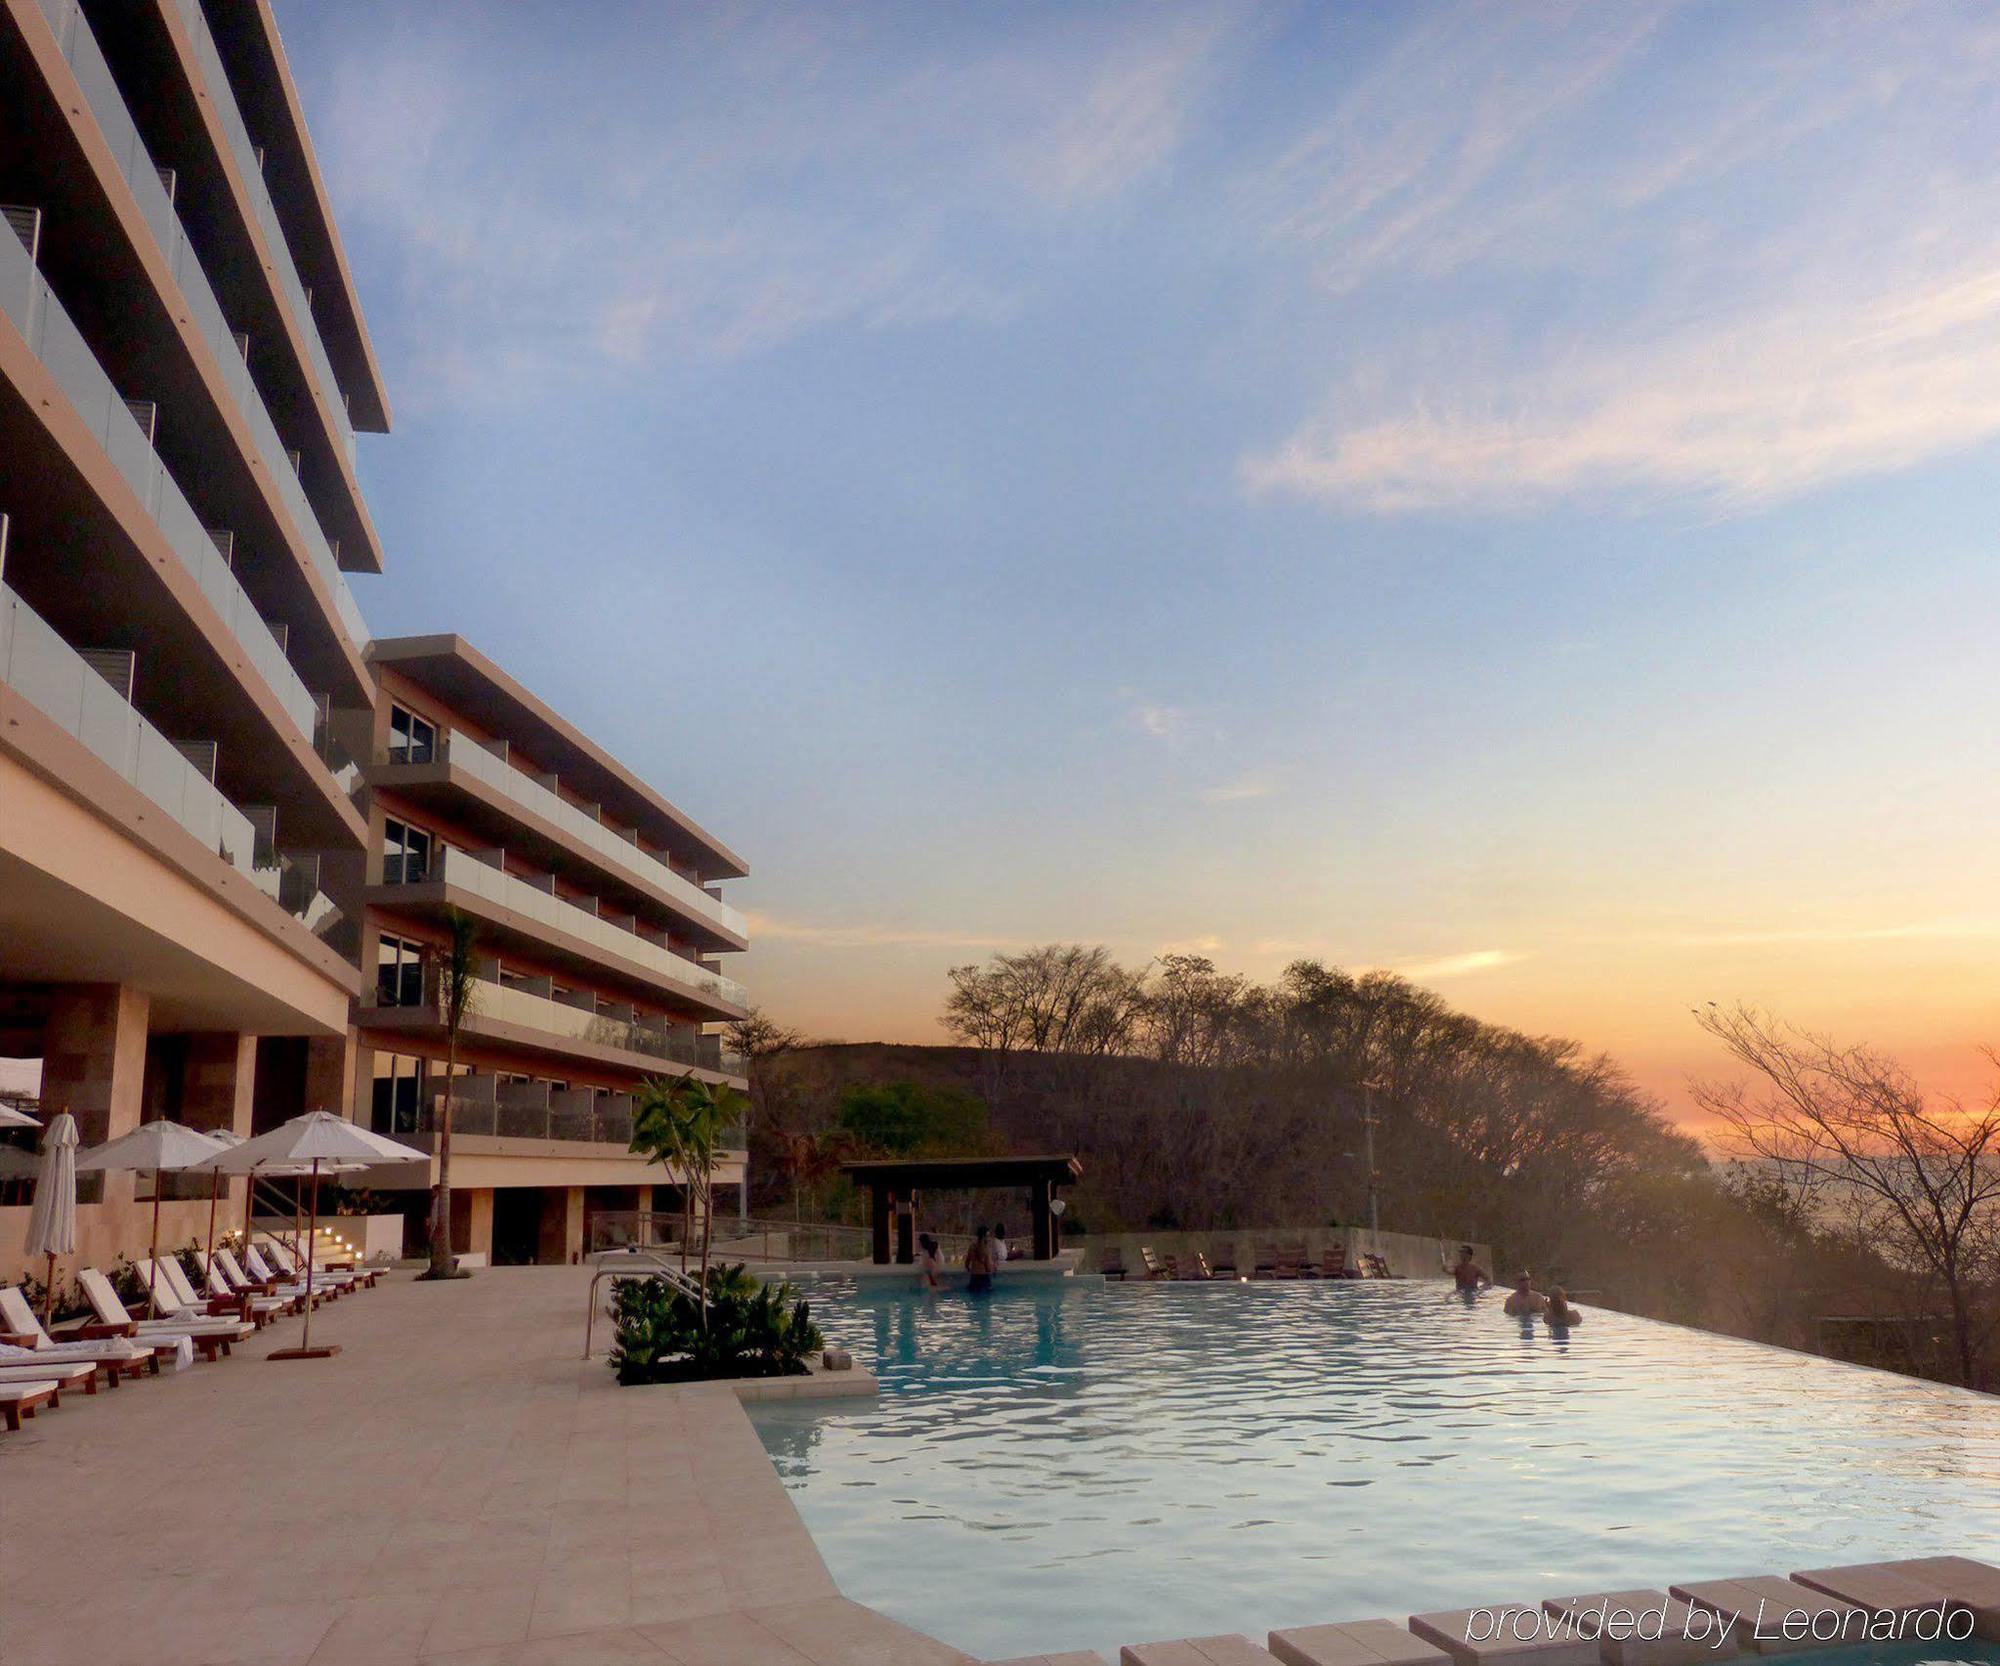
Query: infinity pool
x,y
1065,1468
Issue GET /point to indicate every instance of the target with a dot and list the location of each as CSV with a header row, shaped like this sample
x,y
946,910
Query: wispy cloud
x,y
1461,965
1160,721
711,182
1254,785
1786,274
766,928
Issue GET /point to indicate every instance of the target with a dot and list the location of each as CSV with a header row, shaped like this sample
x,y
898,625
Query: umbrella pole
x,y
153,1263
214,1197
49,1294
305,1349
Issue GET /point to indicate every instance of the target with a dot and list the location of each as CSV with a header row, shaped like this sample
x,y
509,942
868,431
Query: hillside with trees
x,y
1200,1100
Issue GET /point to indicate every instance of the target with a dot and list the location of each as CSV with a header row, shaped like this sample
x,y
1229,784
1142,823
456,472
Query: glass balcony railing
x,y
216,78
531,795
53,678
114,120
509,891
676,1045
27,300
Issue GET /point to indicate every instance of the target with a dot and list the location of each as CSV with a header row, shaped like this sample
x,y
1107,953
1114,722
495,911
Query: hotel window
x,y
399,1092
399,972
412,739
406,853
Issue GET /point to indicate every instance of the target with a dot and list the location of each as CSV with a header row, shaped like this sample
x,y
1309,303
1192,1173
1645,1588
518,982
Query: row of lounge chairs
x,y
113,1344
1270,1261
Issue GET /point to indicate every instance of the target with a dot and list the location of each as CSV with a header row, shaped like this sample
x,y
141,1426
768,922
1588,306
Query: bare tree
x,y
1846,1128
1059,998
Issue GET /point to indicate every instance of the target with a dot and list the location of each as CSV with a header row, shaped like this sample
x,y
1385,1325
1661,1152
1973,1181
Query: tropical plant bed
x,y
745,1329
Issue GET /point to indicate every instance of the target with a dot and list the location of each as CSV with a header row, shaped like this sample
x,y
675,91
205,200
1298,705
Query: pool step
x,y
1706,1620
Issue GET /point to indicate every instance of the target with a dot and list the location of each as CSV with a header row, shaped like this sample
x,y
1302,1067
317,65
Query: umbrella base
x,y
306,1353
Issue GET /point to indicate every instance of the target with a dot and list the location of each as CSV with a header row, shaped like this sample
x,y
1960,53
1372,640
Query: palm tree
x,y
454,997
679,1122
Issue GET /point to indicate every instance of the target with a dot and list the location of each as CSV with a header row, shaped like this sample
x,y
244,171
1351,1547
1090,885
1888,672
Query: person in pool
x,y
930,1265
979,1264
1467,1273
1558,1312
1003,1252
1526,1301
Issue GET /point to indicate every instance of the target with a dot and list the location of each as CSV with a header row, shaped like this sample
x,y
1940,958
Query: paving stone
x,y
1645,1627
1355,1643
1879,1587
1518,1633
1757,1608
1233,1649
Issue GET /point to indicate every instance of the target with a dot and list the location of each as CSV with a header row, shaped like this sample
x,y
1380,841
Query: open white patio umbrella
x,y
163,1147
318,1141
52,1221
11,1118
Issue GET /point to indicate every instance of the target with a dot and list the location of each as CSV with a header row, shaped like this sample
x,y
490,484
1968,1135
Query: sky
x,y
1500,493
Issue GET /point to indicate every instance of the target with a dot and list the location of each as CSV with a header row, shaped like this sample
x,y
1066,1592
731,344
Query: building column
x,y
219,1080
94,1063
330,1066
472,1222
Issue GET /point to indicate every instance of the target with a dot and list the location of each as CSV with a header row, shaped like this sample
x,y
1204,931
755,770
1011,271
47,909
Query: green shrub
x,y
753,1330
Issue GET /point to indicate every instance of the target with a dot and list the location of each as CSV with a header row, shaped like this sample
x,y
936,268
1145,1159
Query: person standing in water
x,y
1559,1314
979,1264
1526,1302
930,1265
1003,1252
1467,1273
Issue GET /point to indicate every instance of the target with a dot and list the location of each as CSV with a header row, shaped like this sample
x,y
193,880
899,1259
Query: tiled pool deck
x,y
458,1486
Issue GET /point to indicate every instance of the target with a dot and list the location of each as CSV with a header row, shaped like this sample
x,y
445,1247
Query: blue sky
x,y
1503,493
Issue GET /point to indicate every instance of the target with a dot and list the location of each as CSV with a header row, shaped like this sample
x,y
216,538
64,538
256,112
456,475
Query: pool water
x,y
1082,1465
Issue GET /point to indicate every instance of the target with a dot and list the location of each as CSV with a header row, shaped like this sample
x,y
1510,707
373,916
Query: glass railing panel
x,y
478,877
223,96
496,772
114,120
62,350
52,677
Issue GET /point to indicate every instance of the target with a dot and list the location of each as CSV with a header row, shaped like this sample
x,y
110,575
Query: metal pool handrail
x,y
640,1265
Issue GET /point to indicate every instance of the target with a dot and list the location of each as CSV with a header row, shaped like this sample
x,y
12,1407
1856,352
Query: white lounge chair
x,y
212,1336
185,1304
337,1283
19,1400
260,1304
21,1329
75,1374
232,1270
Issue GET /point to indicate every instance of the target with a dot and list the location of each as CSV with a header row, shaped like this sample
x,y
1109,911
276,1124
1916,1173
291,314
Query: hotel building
x,y
595,913
183,366
228,828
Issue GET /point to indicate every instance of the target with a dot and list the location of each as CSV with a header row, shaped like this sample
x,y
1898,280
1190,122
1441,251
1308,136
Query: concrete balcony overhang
x,y
175,365
481,1160
469,683
502,928
99,885
453,793
202,105
144,598
533,1047
248,38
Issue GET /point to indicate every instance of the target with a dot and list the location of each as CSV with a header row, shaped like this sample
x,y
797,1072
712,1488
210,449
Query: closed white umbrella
x,y
163,1147
319,1141
52,1221
11,1118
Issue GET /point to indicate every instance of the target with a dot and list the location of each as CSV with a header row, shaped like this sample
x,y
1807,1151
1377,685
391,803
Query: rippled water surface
x,y
1084,1467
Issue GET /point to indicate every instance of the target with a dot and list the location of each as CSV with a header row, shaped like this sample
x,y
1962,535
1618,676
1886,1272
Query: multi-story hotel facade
x,y
594,910
230,828
183,365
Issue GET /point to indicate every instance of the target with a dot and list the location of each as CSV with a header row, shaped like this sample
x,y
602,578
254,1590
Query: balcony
x,y
624,859
485,1106
107,104
53,678
606,945
250,166
31,305
555,1024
